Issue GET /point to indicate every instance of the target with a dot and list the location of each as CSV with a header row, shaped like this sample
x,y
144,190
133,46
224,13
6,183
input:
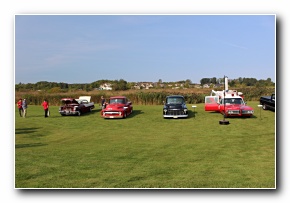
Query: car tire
x,y
125,114
264,107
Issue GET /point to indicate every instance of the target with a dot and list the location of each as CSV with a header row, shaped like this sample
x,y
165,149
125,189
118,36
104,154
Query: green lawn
x,y
144,150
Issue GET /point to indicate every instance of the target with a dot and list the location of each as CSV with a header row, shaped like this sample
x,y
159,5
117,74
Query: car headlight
x,y
165,110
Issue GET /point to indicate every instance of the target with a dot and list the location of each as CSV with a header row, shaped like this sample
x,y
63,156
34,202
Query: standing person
x,y
45,107
24,107
103,102
19,106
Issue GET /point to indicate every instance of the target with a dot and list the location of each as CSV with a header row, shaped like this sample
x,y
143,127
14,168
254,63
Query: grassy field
x,y
144,150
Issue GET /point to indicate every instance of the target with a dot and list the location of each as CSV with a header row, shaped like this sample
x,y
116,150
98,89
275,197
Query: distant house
x,y
148,86
206,86
143,85
106,86
137,87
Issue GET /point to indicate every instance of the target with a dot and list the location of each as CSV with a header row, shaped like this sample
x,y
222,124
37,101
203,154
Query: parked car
x,y
175,107
229,106
268,102
117,107
71,106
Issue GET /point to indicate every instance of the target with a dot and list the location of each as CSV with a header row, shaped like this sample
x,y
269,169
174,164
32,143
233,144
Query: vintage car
x,y
175,107
229,106
268,102
117,107
76,106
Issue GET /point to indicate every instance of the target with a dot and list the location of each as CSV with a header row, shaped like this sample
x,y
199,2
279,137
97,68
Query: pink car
x,y
230,106
118,107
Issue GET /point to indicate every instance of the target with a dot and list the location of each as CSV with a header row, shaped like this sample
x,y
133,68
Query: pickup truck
x,y
175,107
268,102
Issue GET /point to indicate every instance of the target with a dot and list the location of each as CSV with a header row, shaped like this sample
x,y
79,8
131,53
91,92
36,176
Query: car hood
x,y
237,106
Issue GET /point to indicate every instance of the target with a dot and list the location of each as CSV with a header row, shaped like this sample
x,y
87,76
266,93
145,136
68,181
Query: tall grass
x,y
140,97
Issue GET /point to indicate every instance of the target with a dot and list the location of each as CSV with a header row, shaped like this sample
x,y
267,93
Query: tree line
x,y
56,87
239,82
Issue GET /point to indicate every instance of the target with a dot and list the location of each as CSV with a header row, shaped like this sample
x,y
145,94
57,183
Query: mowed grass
x,y
144,150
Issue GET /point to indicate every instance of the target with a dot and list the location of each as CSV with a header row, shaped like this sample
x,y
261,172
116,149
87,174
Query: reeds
x,y
138,97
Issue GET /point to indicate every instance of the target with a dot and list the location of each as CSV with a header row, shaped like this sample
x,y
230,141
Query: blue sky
x,y
87,48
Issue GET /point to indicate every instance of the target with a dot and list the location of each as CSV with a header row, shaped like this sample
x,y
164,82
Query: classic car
x,y
229,106
268,102
175,107
78,106
117,107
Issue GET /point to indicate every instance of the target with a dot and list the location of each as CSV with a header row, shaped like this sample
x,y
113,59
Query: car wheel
x,y
264,107
125,114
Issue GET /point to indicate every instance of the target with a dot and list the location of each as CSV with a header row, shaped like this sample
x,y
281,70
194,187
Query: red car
x,y
230,106
118,107
79,106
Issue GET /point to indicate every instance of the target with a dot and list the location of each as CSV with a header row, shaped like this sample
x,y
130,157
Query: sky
x,y
140,47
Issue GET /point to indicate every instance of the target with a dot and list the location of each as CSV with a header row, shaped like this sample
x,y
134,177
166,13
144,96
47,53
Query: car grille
x,y
175,112
247,112
112,113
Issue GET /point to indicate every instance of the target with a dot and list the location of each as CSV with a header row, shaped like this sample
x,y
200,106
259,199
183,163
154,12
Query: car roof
x,y
64,99
118,97
176,96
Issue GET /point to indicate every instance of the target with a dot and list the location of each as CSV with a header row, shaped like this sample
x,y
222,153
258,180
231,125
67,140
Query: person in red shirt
x,y
19,106
45,107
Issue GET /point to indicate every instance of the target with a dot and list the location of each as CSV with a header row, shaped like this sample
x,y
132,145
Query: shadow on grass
x,y
135,113
234,117
25,130
58,115
192,114
29,145
132,115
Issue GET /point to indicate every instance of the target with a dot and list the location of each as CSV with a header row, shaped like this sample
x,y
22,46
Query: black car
x,y
175,107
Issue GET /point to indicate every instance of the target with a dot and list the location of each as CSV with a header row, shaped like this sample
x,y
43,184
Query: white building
x,y
106,86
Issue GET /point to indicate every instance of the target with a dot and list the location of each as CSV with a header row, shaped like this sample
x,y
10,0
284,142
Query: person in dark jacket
x,y
103,102
24,107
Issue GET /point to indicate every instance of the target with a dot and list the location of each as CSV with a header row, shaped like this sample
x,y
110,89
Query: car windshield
x,y
175,100
117,101
233,101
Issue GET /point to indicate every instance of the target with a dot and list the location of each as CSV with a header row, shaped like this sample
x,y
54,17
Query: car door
x,y
211,103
